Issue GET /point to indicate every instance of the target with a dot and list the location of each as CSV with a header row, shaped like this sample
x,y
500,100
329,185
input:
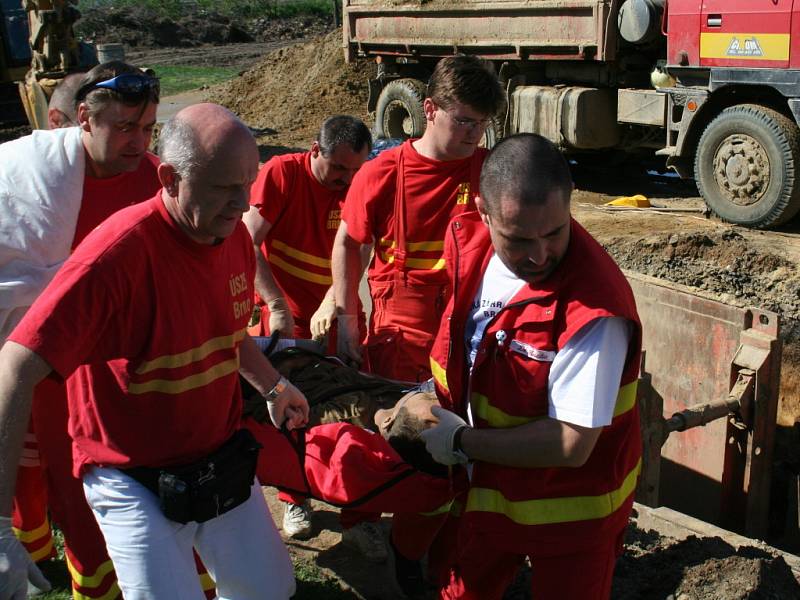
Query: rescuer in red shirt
x,y
402,201
114,106
536,365
296,203
155,403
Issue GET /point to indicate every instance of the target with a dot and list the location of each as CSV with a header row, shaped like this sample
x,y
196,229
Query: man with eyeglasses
x,y
402,201
154,397
55,188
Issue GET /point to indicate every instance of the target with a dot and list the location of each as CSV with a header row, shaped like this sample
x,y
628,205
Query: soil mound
x,y
142,27
656,566
292,90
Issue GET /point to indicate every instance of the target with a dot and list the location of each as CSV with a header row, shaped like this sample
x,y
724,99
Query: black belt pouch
x,y
208,487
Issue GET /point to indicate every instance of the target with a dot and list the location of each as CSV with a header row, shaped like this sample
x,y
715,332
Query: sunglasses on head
x,y
127,84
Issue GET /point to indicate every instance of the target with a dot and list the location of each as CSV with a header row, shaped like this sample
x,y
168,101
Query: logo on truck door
x,y
746,46
749,47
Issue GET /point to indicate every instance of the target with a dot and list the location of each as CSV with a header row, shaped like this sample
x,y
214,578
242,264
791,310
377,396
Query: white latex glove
x,y
280,318
348,342
322,319
16,566
439,438
291,406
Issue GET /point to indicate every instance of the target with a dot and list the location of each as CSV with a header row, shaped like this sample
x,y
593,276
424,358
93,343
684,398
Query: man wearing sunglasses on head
x,y
56,187
153,390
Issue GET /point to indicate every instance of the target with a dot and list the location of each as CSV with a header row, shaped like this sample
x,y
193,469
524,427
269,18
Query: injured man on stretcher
x,y
362,449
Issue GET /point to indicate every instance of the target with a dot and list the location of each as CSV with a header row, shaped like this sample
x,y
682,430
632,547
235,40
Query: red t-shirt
x,y
304,216
435,192
148,323
103,197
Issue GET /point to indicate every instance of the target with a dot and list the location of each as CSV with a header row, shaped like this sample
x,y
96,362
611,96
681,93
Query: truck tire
x,y
747,166
399,112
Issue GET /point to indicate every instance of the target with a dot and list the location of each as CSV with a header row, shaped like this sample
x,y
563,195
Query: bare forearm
x,y
20,371
347,268
265,282
542,443
255,367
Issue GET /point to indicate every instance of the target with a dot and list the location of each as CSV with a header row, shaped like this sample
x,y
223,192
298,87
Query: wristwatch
x,y
277,389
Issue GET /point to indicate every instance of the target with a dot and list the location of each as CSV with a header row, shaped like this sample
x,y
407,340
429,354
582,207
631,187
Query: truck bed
x,y
500,29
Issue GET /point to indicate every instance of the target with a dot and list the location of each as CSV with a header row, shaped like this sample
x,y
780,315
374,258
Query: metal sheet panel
x,y
689,343
567,28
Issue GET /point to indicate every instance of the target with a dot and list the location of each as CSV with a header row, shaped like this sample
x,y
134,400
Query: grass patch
x,y
176,78
313,584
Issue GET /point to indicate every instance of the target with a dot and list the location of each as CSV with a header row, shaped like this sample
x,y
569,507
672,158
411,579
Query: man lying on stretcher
x,y
362,448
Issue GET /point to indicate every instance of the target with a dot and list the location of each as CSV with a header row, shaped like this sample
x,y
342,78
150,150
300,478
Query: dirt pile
x,y
141,27
292,90
656,566
722,263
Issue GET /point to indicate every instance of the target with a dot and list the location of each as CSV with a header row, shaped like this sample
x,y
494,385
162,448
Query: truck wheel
x,y
399,112
746,166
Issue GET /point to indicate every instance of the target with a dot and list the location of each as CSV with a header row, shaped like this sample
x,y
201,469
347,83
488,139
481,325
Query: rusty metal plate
x,y
522,28
689,343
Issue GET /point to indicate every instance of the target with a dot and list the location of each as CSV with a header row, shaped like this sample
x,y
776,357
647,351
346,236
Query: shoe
x,y
297,520
408,574
367,538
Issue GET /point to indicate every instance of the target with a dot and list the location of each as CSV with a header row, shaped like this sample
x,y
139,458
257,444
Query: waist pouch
x,y
208,487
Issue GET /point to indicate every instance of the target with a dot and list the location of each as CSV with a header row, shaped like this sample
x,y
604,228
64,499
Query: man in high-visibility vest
x,y
535,364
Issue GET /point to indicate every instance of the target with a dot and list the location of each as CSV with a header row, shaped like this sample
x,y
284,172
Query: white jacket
x,y
41,186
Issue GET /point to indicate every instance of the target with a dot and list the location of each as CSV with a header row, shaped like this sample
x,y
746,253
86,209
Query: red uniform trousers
x,y
29,511
405,319
481,567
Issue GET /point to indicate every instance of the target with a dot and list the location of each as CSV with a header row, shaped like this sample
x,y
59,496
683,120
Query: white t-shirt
x,y
499,285
584,378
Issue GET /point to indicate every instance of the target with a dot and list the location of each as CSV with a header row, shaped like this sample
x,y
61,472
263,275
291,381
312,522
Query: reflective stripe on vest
x,y
439,374
548,511
482,408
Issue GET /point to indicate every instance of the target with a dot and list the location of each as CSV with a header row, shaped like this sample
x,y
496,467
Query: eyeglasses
x,y
127,84
465,123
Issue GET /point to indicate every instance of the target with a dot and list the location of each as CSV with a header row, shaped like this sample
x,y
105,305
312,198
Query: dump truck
x,y
712,86
38,48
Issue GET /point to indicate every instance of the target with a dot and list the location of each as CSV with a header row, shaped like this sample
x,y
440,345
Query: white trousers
x,y
152,555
